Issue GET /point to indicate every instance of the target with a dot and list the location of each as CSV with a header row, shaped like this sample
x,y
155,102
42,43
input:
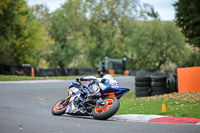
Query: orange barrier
x,y
111,72
189,79
32,72
126,72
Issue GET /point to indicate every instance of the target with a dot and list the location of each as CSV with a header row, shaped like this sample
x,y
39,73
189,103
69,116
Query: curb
x,y
156,119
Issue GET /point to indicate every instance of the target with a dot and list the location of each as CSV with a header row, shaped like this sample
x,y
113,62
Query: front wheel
x,y
60,107
111,107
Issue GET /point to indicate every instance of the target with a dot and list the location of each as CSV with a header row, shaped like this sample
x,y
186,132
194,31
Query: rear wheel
x,y
60,107
107,111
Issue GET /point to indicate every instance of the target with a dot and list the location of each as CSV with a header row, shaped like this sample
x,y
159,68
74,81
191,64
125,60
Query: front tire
x,y
108,111
59,108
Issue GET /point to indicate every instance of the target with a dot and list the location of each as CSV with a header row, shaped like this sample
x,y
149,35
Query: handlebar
x,y
92,82
79,79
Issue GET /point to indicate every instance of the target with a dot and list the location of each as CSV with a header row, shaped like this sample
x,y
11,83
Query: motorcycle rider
x,y
106,81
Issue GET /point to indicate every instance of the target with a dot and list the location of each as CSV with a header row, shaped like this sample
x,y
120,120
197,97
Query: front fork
x,y
65,100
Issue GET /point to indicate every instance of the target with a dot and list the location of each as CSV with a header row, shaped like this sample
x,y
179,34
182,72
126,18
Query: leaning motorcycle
x,y
82,100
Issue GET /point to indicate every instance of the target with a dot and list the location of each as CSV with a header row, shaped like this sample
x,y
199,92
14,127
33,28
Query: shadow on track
x,y
84,117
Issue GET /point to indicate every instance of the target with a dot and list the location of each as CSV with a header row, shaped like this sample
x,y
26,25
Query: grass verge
x,y
177,104
21,78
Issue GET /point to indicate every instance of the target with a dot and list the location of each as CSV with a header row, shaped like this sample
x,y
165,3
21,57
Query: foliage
x,y
68,29
154,45
42,15
150,12
192,59
188,19
153,14
109,23
20,35
81,33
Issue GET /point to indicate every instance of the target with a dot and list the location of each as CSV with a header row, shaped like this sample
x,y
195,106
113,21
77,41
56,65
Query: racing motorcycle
x,y
83,99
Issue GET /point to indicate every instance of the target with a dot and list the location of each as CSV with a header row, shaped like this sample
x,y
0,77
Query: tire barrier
x,y
158,85
142,86
172,84
155,85
158,78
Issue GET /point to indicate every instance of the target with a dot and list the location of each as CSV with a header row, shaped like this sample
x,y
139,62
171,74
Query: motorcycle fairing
x,y
119,92
74,94
73,84
73,109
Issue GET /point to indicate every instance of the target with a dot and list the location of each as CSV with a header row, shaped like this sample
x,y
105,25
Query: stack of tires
x,y
151,85
142,86
158,85
172,85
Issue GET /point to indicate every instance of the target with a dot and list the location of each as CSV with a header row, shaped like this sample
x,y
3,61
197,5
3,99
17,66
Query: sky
x,y
163,7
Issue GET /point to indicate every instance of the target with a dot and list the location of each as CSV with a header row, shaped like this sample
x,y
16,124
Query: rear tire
x,y
108,111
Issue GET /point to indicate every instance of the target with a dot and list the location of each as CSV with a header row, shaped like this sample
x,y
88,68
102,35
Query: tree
x,y
42,15
20,35
155,45
89,28
193,59
9,21
152,13
109,24
188,19
69,31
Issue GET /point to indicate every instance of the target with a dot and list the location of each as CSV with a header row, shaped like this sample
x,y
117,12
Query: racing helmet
x,y
108,76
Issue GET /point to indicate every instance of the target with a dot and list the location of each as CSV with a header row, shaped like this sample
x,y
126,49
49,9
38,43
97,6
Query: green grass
x,y
177,104
20,78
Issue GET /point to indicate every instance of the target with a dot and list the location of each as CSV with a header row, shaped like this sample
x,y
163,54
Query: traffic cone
x,y
32,72
163,108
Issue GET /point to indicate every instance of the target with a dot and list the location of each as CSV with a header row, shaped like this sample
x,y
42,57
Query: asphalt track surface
x,y
26,108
